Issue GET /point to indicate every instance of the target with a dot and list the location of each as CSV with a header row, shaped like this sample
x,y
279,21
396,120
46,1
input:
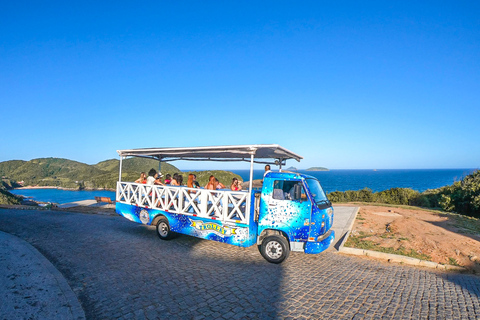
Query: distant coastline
x,y
317,169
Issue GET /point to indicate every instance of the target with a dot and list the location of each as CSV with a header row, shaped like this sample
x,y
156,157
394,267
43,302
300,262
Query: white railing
x,y
224,205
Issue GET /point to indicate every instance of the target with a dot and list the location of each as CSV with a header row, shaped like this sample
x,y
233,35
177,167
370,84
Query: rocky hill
x,y
66,173
7,197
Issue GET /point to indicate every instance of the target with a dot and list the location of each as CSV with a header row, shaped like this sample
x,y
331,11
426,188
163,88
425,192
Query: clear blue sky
x,y
345,84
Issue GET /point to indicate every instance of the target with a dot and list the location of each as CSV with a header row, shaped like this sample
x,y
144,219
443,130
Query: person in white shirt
x,y
151,177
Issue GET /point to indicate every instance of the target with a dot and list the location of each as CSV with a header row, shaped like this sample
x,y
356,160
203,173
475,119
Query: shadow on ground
x,y
119,268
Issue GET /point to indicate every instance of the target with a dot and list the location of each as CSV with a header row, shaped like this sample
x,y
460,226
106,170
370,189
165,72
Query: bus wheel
x,y
275,249
163,229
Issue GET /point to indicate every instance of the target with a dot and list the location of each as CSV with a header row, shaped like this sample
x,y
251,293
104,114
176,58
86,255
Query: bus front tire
x,y
163,229
275,249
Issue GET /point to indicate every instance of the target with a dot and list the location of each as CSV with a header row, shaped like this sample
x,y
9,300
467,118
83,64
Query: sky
x,y
345,84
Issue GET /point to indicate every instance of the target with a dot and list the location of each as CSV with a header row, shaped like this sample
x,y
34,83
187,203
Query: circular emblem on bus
x,y
144,216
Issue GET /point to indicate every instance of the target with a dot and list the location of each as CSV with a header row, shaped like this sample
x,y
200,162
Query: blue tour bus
x,y
290,211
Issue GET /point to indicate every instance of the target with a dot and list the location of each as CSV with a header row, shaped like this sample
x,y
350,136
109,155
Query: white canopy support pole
x,y
251,173
159,165
120,174
280,169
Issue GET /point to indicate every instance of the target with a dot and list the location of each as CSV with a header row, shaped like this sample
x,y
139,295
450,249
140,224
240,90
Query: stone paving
x,y
31,287
119,269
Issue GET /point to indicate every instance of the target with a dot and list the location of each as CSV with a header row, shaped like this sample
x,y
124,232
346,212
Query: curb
x,y
350,226
22,207
399,259
74,305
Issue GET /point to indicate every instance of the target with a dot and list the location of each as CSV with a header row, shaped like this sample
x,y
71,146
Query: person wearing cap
x,y
158,178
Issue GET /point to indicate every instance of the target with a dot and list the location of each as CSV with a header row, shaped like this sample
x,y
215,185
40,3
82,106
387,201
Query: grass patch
x,y
387,236
453,261
359,242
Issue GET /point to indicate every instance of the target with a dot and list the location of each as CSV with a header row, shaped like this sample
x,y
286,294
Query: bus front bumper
x,y
322,245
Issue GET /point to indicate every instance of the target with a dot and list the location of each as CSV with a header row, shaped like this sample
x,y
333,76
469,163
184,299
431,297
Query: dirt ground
x,y
444,238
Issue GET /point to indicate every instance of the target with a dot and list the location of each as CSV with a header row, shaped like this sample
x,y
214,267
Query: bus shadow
x,y
201,277
464,282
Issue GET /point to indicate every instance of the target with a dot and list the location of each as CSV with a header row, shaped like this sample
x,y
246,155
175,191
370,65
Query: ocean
x,y
333,180
378,180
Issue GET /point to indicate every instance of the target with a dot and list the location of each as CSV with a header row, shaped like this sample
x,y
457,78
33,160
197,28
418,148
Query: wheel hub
x,y
274,249
163,229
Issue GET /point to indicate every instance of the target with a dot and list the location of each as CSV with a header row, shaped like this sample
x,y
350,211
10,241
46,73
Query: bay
x,y
62,196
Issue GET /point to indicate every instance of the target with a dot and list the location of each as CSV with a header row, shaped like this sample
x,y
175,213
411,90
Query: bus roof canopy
x,y
215,153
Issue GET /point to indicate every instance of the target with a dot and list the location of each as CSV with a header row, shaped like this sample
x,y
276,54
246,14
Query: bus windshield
x,y
316,191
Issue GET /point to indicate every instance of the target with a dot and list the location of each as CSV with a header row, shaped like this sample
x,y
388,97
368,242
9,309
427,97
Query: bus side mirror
x,y
298,192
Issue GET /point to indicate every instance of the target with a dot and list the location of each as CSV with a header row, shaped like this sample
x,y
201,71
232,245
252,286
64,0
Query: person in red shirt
x,y
142,179
235,186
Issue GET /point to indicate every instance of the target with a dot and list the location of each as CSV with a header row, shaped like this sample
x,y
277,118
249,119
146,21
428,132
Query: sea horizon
x,y
332,180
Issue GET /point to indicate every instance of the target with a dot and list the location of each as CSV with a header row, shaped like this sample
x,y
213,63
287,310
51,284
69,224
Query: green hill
x,y
108,165
103,175
9,166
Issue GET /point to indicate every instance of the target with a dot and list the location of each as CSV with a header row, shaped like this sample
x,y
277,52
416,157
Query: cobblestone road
x,y
119,269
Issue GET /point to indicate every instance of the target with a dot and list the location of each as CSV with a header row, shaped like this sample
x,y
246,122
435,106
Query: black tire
x,y
163,229
275,249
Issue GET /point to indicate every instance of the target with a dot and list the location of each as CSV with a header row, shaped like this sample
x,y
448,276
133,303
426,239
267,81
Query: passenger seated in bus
x,y
212,183
190,181
142,179
195,182
151,177
179,180
158,179
235,186
220,185
174,181
168,179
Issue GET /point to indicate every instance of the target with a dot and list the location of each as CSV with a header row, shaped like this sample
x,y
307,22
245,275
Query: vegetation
x,y
7,197
359,241
462,197
103,175
453,261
